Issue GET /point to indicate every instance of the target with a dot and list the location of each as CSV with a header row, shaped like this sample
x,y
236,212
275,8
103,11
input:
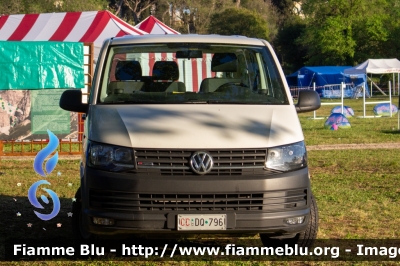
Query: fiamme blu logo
x,y
49,167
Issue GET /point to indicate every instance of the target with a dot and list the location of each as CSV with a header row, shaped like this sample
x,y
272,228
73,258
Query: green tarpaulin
x,y
41,65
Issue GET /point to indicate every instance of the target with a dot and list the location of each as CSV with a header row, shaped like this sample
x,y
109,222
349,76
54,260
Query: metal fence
x,y
330,90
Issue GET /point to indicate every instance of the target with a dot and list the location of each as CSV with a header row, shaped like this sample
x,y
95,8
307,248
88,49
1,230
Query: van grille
x,y
226,162
271,201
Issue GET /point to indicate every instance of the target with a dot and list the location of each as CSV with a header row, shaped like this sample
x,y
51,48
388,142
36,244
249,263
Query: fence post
x,y
390,98
1,148
394,85
315,112
364,99
371,85
342,87
398,86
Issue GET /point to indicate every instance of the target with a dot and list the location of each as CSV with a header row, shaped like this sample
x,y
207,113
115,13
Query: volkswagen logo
x,y
201,162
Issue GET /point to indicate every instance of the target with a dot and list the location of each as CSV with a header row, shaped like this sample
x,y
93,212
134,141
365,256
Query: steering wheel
x,y
231,86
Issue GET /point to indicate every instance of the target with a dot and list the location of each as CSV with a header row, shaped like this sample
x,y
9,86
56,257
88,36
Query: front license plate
x,y
201,222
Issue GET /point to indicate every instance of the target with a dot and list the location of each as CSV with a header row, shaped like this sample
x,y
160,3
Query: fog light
x,y
103,221
295,220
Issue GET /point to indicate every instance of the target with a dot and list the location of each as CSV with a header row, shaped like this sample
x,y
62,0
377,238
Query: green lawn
x,y
357,191
363,130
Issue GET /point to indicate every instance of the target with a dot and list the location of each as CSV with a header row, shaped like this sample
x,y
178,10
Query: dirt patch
x,y
354,146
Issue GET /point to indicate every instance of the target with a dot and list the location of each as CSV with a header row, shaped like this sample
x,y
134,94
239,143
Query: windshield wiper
x,y
190,102
195,101
235,102
127,102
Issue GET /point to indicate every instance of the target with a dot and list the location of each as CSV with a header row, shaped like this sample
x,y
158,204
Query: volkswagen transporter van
x,y
193,134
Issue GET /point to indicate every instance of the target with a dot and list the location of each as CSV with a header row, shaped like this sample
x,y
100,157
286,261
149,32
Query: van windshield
x,y
199,73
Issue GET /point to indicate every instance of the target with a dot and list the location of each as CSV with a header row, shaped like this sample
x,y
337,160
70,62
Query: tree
x,y
285,7
48,6
190,16
393,43
291,25
131,10
378,36
239,21
290,54
267,11
345,32
328,35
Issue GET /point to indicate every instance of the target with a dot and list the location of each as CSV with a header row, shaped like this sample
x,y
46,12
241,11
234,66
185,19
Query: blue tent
x,y
323,76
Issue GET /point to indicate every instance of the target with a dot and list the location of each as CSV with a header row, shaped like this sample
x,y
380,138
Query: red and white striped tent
x,y
90,27
152,25
192,72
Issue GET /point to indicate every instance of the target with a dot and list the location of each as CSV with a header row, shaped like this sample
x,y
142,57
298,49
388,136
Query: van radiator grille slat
x,y
226,162
271,201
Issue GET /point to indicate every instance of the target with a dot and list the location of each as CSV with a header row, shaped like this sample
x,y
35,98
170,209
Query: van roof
x,y
188,38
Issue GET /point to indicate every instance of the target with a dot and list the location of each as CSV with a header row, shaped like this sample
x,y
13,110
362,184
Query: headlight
x,y
287,158
109,157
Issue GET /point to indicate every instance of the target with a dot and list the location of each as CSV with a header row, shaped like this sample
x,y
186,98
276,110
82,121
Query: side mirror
x,y
71,100
308,101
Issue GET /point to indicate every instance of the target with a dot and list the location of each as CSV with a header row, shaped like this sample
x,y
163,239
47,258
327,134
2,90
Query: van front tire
x,y
79,230
303,239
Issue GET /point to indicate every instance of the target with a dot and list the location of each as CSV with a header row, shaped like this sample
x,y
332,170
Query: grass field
x,y
351,186
363,130
357,191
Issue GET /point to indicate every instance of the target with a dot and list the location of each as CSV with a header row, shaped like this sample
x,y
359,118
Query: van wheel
x,y
78,228
303,239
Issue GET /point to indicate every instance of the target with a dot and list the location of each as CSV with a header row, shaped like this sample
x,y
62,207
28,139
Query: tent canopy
x,y
323,75
376,66
90,27
52,65
153,26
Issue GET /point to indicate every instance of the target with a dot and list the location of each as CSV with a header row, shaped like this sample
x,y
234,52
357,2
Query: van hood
x,y
195,126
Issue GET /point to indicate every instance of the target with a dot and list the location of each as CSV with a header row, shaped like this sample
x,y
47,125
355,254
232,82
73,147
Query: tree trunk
x,y
119,8
135,17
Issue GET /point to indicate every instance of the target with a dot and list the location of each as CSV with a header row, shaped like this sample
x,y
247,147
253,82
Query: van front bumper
x,y
150,204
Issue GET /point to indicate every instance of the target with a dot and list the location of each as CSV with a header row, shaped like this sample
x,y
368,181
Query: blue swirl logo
x,y
41,156
33,200
38,167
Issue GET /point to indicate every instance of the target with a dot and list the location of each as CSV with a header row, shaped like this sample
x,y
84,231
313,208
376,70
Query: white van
x,y
193,134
